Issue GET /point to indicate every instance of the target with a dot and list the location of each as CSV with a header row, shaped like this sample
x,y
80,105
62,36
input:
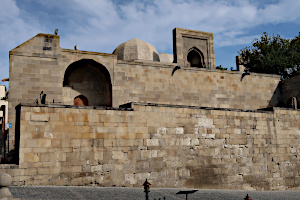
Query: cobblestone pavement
x,y
108,193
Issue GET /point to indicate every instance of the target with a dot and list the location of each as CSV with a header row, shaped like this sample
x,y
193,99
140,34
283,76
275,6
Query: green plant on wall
x,y
220,67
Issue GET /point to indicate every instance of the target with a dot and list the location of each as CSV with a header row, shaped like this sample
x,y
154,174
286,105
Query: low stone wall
x,y
145,82
171,146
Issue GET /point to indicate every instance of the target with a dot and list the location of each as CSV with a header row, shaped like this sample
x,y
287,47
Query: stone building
x,y
81,117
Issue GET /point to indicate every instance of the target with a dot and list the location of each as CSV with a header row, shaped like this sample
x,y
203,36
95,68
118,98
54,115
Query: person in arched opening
x,y
81,100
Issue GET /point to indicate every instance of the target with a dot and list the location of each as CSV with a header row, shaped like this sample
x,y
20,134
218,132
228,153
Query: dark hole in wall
x,y
195,58
16,153
92,80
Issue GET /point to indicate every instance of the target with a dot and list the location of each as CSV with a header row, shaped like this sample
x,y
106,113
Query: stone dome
x,y
136,49
165,57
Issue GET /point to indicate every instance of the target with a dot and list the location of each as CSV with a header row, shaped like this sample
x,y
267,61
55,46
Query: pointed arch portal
x,y
195,58
90,79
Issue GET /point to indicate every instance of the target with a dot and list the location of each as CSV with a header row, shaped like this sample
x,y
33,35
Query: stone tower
x,y
193,48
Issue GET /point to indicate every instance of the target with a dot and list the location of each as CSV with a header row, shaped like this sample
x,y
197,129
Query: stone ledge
x,y
87,52
195,69
130,107
72,106
264,110
9,166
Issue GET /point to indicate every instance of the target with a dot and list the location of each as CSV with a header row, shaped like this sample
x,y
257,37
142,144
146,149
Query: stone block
x,y
83,129
145,154
31,157
236,141
119,155
130,178
98,155
161,130
184,142
44,143
219,123
39,117
55,143
93,118
97,168
43,171
195,142
31,143
48,135
171,130
152,142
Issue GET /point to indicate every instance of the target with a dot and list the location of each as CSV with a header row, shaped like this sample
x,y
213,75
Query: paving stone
x,y
116,193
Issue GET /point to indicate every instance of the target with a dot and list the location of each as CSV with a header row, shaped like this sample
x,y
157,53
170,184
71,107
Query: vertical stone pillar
x,y
239,66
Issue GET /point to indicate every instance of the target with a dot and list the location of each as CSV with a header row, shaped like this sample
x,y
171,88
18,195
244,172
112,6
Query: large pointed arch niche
x,y
195,58
90,79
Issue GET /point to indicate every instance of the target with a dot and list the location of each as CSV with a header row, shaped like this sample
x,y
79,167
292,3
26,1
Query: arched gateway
x,y
90,79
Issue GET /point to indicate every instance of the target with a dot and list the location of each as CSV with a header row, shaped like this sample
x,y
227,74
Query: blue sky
x,y
101,25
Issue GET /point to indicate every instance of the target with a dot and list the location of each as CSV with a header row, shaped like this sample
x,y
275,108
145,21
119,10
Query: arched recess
x,y
90,79
195,58
293,102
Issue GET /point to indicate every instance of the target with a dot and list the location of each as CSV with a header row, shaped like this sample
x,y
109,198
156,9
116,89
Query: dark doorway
x,y
91,80
195,58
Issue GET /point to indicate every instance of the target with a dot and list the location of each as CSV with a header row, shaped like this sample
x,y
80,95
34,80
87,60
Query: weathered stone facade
x,y
171,146
41,65
189,126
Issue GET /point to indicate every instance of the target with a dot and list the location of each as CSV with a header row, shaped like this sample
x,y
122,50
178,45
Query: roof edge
x,y
37,35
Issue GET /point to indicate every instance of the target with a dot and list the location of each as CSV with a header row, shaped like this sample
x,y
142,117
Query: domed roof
x,y
165,57
136,49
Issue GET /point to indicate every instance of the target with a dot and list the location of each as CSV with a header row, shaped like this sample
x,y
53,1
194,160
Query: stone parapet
x,y
171,146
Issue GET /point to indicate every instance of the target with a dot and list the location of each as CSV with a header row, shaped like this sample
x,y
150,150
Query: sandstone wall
x,y
171,146
150,83
39,64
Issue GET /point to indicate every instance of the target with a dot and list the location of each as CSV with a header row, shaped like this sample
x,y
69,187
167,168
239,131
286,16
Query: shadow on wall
x,y
91,80
276,99
155,57
287,93
290,92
